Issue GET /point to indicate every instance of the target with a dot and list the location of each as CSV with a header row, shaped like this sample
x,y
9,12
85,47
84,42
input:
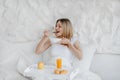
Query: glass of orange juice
x,y
59,63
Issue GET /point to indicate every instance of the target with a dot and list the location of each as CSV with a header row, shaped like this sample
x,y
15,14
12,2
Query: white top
x,y
60,51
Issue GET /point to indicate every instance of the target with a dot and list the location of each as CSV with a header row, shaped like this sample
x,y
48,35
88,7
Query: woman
x,y
65,48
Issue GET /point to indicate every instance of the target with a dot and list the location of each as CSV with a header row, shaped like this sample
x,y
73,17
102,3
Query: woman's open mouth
x,y
56,32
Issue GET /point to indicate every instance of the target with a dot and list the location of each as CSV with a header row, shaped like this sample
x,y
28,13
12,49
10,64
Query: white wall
x,y
98,20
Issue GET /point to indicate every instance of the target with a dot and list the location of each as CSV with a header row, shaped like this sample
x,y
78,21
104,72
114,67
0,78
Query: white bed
x,y
107,66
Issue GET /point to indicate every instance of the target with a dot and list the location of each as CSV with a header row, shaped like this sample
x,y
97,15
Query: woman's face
x,y
59,29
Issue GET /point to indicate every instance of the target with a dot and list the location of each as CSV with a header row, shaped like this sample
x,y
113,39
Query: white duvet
x,y
48,74
15,59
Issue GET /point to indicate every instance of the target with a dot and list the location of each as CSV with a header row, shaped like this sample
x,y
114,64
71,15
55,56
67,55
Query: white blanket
x,y
48,74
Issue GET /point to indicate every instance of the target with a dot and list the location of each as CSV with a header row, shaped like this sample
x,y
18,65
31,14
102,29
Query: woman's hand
x,y
46,33
65,41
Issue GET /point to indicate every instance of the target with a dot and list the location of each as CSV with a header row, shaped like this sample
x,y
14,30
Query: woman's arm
x,y
75,48
44,44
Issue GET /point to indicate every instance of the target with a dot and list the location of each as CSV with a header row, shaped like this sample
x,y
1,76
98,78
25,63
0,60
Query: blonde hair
x,y
67,27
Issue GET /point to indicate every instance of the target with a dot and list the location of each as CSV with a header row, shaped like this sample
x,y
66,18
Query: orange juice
x,y
40,65
59,63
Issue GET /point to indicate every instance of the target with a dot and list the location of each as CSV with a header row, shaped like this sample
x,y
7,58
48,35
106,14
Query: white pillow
x,y
88,51
25,61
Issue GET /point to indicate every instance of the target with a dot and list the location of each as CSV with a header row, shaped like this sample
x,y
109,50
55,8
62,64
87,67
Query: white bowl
x,y
54,40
